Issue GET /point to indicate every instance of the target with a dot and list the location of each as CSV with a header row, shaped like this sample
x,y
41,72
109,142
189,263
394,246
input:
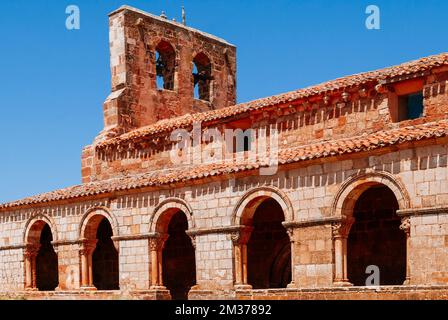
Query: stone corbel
x,y
193,241
381,88
363,93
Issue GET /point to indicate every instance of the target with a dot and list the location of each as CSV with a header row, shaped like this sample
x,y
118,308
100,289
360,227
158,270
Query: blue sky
x,y
54,81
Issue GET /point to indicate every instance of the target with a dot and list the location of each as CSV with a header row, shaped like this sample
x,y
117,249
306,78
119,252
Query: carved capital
x,y
31,250
290,232
87,246
193,240
241,236
157,243
341,228
235,236
406,225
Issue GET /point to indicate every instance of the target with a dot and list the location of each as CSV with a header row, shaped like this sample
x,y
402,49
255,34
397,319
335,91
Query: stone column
x,y
193,243
156,245
406,227
240,239
56,250
290,232
31,251
86,252
340,234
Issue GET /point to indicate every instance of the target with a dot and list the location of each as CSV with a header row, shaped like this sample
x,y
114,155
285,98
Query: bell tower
x,y
163,69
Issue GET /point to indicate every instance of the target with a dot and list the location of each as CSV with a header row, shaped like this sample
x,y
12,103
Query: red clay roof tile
x,y
376,76
303,153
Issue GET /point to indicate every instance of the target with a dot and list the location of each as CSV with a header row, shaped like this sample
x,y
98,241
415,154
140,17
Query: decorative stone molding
x,y
58,243
193,241
171,204
140,236
39,217
363,93
12,247
380,88
158,242
422,211
406,225
204,231
354,186
254,195
93,211
290,232
311,222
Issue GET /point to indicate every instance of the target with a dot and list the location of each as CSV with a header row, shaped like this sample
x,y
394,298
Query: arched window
x,y
202,76
165,65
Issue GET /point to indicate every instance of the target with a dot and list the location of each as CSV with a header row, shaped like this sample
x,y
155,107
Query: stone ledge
x,y
173,23
12,247
423,211
412,292
311,222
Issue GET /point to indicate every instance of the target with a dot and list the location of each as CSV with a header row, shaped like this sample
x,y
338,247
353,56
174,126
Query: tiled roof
x,y
368,142
421,65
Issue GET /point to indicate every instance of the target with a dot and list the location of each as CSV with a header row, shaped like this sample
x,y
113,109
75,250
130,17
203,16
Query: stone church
x,y
355,206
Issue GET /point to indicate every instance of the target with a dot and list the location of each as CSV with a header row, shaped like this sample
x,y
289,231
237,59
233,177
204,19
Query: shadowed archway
x,y
269,248
178,256
46,262
105,259
375,238
41,260
98,252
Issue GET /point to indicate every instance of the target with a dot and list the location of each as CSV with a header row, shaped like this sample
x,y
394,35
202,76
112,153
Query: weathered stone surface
x,y
347,169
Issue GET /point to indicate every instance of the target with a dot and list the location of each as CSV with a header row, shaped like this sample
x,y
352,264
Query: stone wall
x,y
296,126
313,197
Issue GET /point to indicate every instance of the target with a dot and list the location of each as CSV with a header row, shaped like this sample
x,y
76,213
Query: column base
x,y
158,288
31,289
242,287
160,293
342,283
88,288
